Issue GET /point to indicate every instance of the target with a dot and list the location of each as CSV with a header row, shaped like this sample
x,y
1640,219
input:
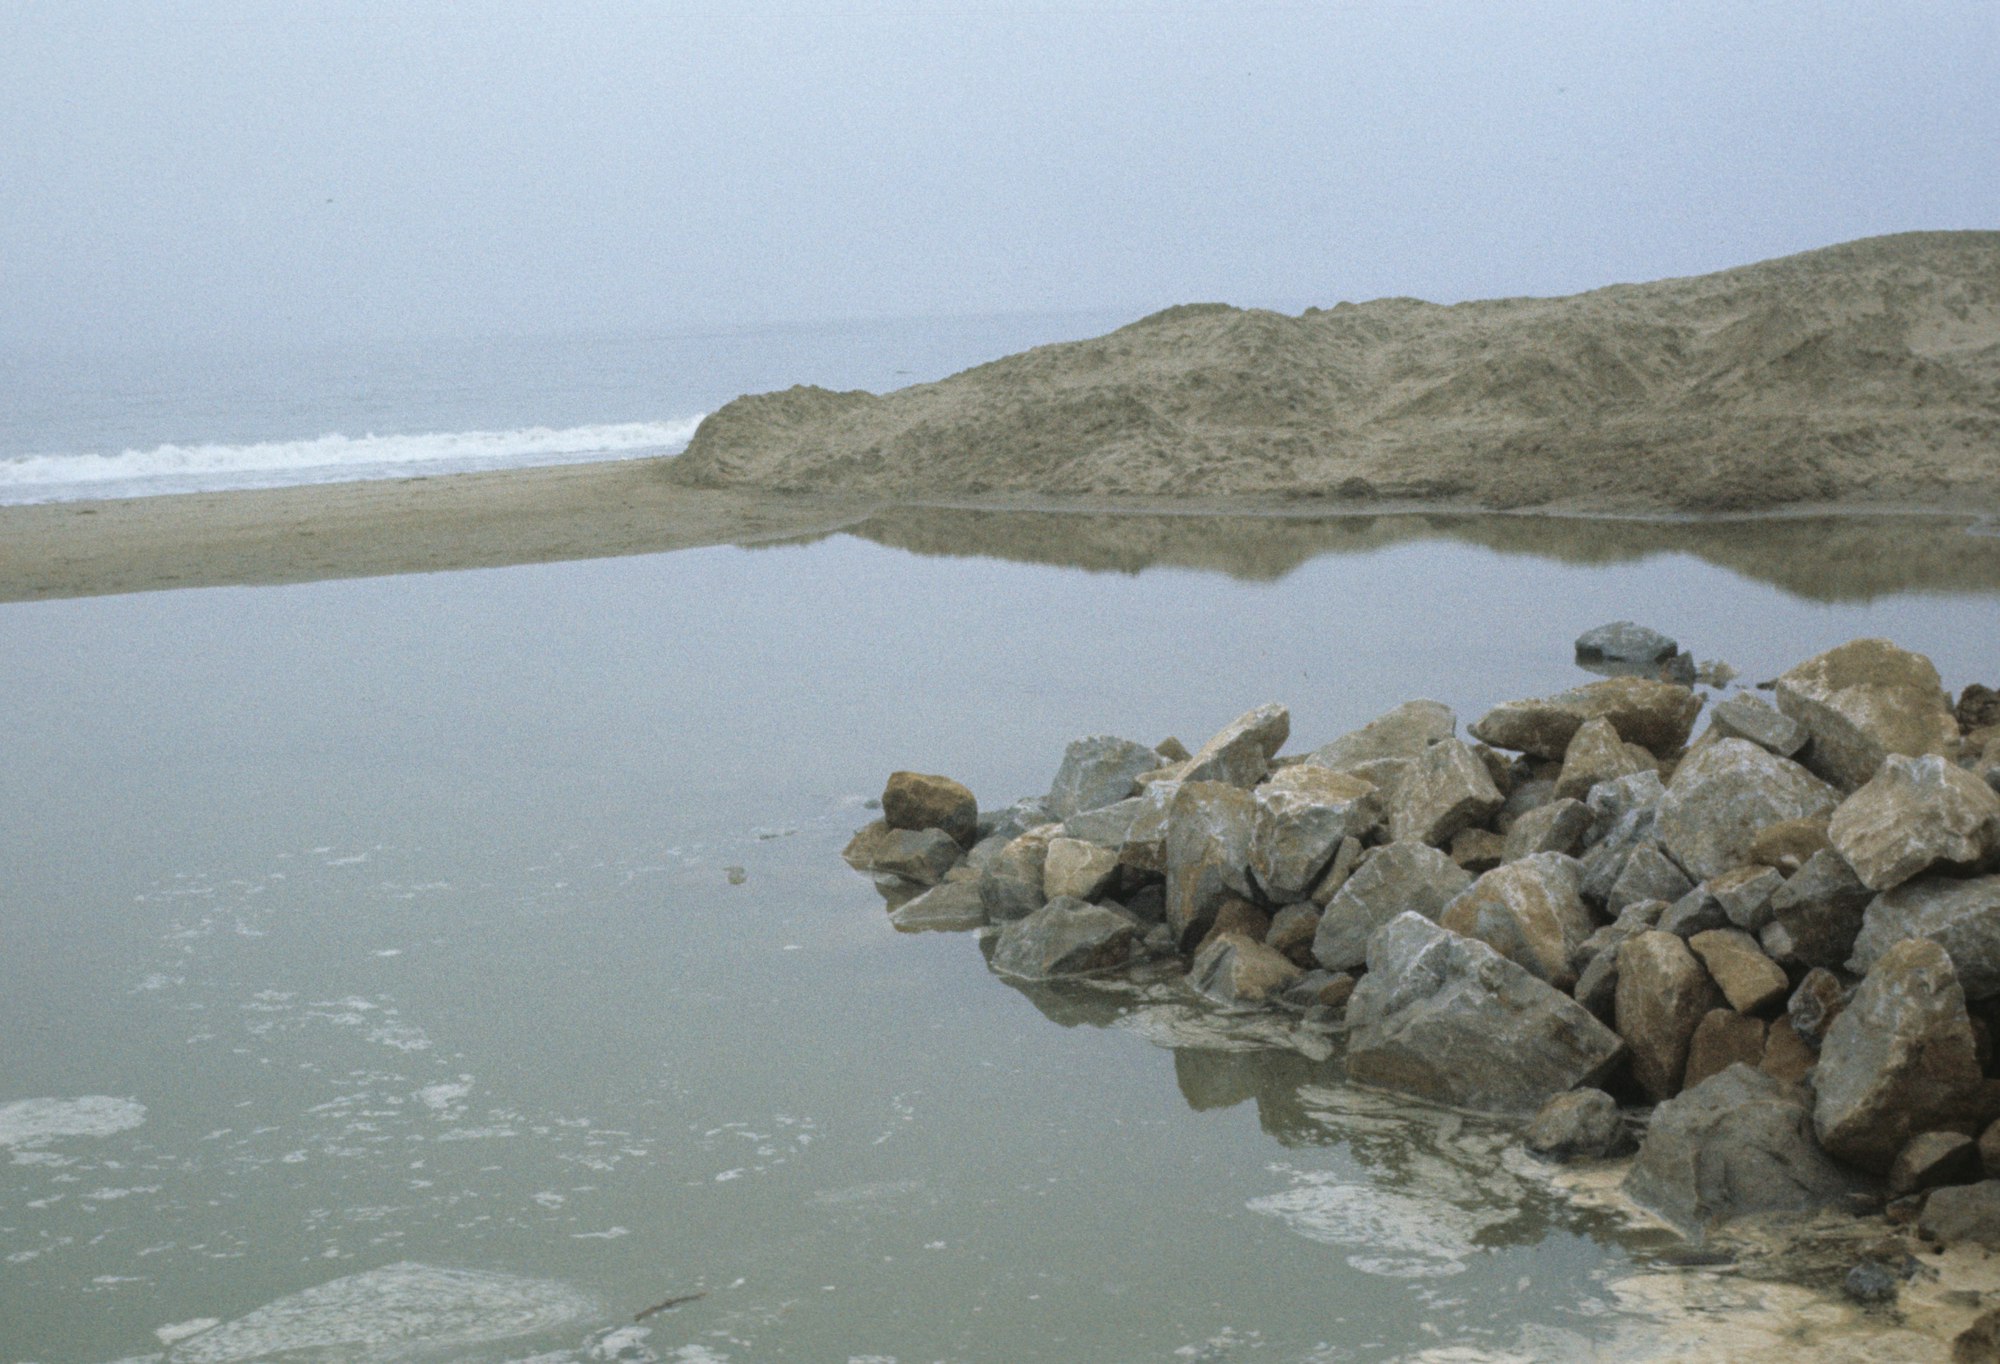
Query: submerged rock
x,y
1624,643
919,855
1584,1124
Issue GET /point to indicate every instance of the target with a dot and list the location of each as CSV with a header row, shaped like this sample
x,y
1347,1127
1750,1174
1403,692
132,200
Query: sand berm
x,y
1866,374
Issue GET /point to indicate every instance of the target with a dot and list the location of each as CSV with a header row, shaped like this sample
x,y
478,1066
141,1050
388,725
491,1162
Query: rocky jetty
x,y
1772,947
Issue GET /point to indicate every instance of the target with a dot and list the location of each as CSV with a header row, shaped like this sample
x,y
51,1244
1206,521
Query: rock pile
x,y
1784,933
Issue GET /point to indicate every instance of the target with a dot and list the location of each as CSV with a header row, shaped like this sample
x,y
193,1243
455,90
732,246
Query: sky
x,y
172,172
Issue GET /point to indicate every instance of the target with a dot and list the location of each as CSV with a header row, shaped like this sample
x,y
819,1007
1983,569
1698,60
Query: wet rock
x,y
1209,827
1737,1143
1648,874
1596,754
1011,885
1655,715
1931,1159
1722,1039
1786,1056
1064,937
1962,917
1871,1282
1623,643
1583,1124
1345,859
1391,879
1097,771
1477,850
1079,870
1557,827
1787,844
1745,895
1815,1004
1302,815
1447,790
1663,994
1404,732
919,855
1912,815
1240,754
1529,912
1963,1214
1721,797
1237,971
1820,909
1744,716
1900,1058
1448,1019
917,800
952,907
1292,931
1749,980
1863,701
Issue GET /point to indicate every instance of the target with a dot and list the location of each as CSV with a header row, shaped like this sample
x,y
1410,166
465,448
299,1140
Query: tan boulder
x,y
1663,994
1240,753
1596,754
1914,814
1749,980
1658,716
918,800
1722,1039
1863,701
1530,912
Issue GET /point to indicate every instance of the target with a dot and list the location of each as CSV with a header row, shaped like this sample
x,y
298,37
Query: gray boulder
x,y
1863,701
1079,870
1722,1039
1448,789
920,800
1819,910
1744,716
1663,993
1064,938
1721,796
1963,1214
1448,1019
1583,1124
1011,885
1097,771
952,907
1404,732
1390,880
1209,827
1655,715
919,855
1814,1005
1962,917
1237,971
1596,755
1624,643
1145,845
1240,754
1303,813
1559,826
1739,1142
1529,912
1912,815
1648,874
1899,1060
1695,912
1745,895
1108,826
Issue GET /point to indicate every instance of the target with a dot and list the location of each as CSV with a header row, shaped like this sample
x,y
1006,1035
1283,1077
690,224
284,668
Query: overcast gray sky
x,y
176,171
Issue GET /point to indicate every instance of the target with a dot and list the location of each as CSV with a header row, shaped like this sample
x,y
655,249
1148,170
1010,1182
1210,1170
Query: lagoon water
x,y
375,985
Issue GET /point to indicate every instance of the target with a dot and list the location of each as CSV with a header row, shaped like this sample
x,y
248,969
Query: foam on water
x,y
332,458
31,1121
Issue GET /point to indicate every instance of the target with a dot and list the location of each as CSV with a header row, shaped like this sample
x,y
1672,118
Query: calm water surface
x,y
374,986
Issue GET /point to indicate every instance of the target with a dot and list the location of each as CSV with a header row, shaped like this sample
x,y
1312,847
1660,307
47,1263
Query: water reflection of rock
x,y
1831,558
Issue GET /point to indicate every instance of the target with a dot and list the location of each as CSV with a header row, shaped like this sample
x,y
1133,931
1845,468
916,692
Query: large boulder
x,y
1863,701
1559,826
1624,644
1302,815
1744,716
1109,826
1209,828
1064,938
1010,886
1962,917
1447,790
1145,845
1899,1060
1097,771
1595,755
1079,870
919,800
1739,1142
1390,880
1663,993
1655,715
1240,754
1816,913
1530,913
1237,971
1447,1018
952,907
1723,795
1722,1039
1912,815
919,855
1404,732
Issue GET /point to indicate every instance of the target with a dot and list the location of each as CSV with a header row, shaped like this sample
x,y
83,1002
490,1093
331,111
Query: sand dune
x,y
1863,374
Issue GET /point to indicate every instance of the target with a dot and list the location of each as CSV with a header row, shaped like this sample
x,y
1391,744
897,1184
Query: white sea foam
x,y
332,458
29,1121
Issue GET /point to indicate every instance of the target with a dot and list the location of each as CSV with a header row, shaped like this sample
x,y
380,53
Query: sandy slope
x,y
1867,373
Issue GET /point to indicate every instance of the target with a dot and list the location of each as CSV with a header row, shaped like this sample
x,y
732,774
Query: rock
x,y
1292,931
1404,732
1596,987
1557,827
1787,844
1148,904
1963,1214
952,907
1596,962
1786,1056
1064,938
1145,845
1079,870
1108,826
1648,875
1345,859
1236,915
1209,828
1979,1343
1011,885
1583,1124
1737,1143
1722,1039
1391,879
1820,909
1529,912
1319,990
1302,815
1695,912
984,852
1240,754
1722,796
1239,972
1097,771
1624,644
1912,815
1624,818
1745,895
1931,1159
1663,994
1030,812
916,800
1863,701
1172,750
1962,917
1744,716
1899,1059
1448,1019
1449,789
1596,754
1815,1004
1532,788
1871,1282
1749,980
1655,715
919,855
1477,850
